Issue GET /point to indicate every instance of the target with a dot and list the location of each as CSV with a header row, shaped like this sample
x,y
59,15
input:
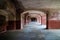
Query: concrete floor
x,y
31,33
34,25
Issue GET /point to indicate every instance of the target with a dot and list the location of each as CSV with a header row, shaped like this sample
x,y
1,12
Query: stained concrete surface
x,y
31,33
37,4
20,35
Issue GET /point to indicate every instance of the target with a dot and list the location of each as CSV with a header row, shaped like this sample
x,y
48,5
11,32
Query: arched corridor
x,y
33,18
29,19
21,13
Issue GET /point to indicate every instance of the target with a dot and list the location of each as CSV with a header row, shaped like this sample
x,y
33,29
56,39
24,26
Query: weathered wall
x,y
54,24
37,4
54,19
11,8
44,20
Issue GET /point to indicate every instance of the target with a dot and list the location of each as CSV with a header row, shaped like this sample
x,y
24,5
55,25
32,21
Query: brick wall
x,y
44,20
54,24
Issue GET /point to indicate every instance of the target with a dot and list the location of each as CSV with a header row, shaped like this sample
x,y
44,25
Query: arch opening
x,y
33,19
29,16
